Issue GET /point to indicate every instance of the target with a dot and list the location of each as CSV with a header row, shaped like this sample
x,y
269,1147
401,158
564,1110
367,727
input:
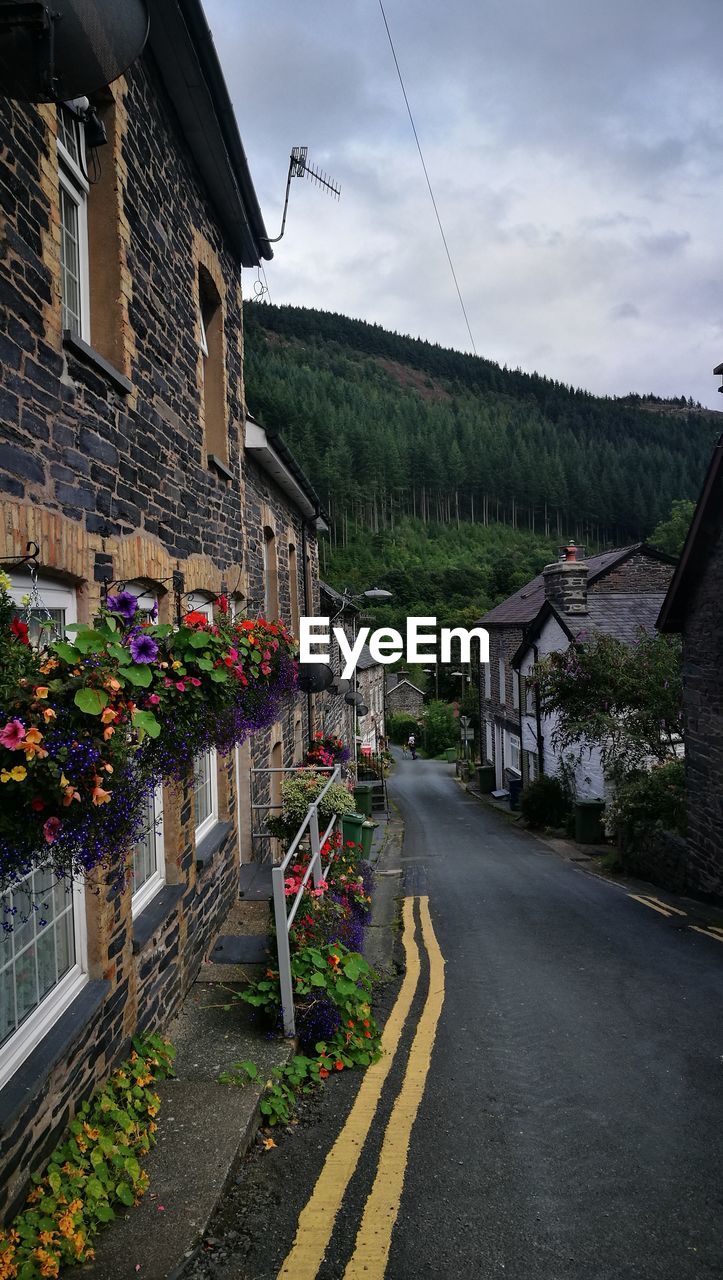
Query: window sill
x,y
215,464
26,1083
154,916
208,847
88,355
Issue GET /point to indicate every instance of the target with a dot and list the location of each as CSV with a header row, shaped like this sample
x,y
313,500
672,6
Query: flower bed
x,y
90,724
93,1172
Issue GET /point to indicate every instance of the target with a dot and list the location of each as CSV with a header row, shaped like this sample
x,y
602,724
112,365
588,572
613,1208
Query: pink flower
x,y
180,686
12,735
51,829
265,668
195,681
154,699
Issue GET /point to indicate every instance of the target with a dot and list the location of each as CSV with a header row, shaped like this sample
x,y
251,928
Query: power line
x,y
426,174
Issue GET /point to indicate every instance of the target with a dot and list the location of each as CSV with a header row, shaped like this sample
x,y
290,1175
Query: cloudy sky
x,y
575,148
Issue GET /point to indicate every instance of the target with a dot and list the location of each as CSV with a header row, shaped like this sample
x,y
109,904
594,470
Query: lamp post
x,y
428,671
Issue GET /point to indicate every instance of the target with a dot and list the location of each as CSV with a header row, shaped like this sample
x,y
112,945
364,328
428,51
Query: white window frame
x,y
74,182
38,1023
514,753
141,897
503,682
146,597
201,604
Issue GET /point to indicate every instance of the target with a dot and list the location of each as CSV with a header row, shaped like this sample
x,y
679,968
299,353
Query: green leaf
x,y
205,664
139,675
55,1181
91,701
94,1188
317,980
90,641
124,1193
219,676
120,653
104,1213
66,651
199,640
147,723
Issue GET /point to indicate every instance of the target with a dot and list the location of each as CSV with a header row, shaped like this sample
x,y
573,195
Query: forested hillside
x,y
388,426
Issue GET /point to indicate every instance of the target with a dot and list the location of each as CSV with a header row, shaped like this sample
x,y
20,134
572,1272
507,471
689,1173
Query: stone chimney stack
x,y
566,583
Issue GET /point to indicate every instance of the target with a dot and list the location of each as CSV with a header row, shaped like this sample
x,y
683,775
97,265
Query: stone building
x,y
693,607
126,456
402,695
570,610
627,572
371,685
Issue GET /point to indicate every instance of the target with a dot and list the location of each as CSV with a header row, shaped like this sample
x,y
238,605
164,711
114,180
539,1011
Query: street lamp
x,y
428,672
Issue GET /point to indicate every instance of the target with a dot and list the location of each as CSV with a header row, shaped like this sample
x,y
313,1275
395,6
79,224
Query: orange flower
x,y
108,732
113,685
49,666
323,1073
107,716
99,796
42,691
48,714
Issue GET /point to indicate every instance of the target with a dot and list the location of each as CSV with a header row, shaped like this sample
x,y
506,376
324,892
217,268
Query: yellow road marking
x,y
648,903
708,933
316,1222
667,905
371,1252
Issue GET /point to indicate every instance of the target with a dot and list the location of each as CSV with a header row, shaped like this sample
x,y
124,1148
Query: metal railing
x,y
276,806
284,920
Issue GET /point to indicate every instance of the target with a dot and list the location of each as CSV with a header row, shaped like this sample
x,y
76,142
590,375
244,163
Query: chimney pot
x,y
566,583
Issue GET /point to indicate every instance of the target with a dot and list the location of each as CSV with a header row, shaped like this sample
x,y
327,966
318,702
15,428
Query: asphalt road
x,y
570,1126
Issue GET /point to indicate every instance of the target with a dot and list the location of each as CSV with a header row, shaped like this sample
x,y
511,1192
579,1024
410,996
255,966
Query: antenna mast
x,y
298,168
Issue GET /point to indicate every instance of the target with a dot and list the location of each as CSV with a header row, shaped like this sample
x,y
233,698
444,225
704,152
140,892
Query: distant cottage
x,y
402,695
615,593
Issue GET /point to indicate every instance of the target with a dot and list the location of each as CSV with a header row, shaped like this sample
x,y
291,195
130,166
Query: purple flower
x,y
143,648
125,604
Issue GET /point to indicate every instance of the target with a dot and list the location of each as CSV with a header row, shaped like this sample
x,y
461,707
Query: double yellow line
x,y
317,1219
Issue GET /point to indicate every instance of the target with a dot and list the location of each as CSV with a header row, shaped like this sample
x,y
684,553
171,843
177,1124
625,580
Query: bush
x,y
545,803
400,725
440,728
646,802
298,792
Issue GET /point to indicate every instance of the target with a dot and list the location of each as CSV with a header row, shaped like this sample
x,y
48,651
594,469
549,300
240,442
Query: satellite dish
x,y
362,710
69,48
314,677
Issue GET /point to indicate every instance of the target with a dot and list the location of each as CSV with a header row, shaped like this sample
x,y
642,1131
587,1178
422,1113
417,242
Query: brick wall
x,y
640,573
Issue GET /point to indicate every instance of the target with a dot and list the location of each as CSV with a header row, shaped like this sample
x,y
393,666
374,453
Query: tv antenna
x,y
298,168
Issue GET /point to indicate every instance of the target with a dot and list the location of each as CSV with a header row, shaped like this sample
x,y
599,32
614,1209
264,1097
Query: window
x,y
149,867
488,742
211,342
514,756
42,961
503,676
271,576
488,681
74,187
515,691
205,766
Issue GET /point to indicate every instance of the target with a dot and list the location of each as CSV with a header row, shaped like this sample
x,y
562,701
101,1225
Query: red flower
x,y
51,829
195,619
323,1073
339,1065
20,630
222,604
37,804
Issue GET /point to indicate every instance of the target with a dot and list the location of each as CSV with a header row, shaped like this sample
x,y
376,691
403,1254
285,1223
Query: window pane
x,y
145,856
69,261
202,787
69,134
34,957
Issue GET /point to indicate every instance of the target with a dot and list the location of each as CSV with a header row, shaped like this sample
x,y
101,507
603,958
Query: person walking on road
x,y
412,744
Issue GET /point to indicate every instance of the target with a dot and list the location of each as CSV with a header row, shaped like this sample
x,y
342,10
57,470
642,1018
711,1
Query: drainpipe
x,y
307,614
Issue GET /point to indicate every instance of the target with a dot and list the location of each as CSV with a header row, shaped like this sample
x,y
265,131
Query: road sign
x,y
467,735
464,721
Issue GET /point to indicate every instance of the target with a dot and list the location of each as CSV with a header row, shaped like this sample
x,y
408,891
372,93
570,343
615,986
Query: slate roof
x,y
620,614
365,660
521,608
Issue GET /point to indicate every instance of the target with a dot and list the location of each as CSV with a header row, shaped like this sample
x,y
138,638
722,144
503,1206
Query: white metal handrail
x,y
283,919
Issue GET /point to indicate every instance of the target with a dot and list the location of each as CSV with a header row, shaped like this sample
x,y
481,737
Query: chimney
x,y
566,583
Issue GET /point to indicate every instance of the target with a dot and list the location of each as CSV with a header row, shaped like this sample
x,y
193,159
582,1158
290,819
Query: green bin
x,y
368,829
589,821
486,775
351,827
363,798
451,755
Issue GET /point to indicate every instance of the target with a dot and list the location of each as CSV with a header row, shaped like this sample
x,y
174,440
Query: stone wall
x,y
639,572
703,709
104,463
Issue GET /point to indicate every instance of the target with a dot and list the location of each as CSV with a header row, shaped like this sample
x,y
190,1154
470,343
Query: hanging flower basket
x,y
327,750
90,724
